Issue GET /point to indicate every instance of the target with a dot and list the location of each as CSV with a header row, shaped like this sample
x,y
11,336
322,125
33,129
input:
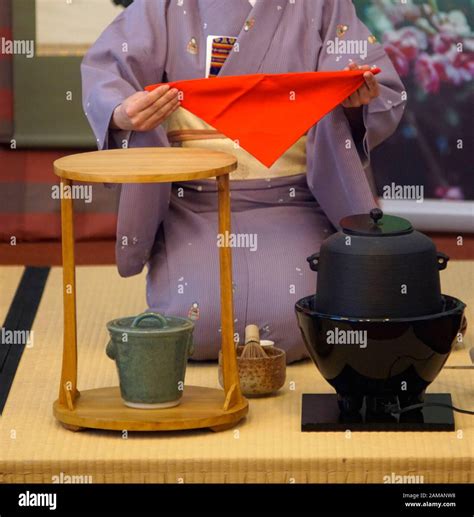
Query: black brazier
x,y
378,329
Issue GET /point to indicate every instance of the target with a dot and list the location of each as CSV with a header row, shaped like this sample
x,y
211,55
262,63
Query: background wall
x,y
41,122
69,27
48,105
6,76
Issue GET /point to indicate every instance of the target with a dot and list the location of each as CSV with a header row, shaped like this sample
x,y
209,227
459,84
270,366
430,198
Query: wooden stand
x,y
103,408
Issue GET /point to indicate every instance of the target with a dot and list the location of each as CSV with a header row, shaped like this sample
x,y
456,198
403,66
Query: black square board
x,y
320,412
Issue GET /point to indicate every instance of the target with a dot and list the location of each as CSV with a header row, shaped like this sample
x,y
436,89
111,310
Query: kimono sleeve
x,y
346,38
127,56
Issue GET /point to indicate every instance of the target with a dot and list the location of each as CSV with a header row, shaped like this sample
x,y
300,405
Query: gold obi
x,y
184,129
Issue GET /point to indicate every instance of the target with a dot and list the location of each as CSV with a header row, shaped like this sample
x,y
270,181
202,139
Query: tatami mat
x,y
10,277
267,447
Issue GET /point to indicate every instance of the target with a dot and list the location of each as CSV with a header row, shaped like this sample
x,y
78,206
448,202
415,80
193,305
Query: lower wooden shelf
x,y
103,408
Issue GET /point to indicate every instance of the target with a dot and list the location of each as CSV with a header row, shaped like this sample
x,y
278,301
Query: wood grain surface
x,y
145,165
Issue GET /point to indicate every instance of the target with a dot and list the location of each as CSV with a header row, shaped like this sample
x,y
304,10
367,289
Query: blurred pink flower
x,y
454,67
442,42
442,66
427,74
399,60
410,40
464,62
431,40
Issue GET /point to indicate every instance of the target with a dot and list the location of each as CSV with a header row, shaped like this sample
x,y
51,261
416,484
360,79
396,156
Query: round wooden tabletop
x,y
145,165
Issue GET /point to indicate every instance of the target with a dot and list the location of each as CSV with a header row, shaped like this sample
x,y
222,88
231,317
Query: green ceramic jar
x,y
151,352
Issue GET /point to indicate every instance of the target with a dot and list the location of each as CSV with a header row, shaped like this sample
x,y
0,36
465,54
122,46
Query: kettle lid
x,y
375,224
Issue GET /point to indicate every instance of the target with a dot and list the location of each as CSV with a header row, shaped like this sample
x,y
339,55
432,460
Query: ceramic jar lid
x,y
150,323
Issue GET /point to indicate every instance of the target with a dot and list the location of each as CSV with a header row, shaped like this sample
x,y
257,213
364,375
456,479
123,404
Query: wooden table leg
x,y
229,359
68,384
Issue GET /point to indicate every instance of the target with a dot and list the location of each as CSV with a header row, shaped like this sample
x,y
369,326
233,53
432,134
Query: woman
x,y
288,209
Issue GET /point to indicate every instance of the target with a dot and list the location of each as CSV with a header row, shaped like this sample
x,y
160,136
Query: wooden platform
x,y
103,408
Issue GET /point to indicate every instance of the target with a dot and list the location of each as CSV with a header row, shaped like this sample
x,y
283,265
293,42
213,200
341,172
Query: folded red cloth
x,y
266,114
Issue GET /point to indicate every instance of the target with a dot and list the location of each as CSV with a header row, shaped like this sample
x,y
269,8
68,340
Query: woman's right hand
x,y
144,111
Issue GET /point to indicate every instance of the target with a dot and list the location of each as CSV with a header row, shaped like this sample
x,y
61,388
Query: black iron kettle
x,y
378,266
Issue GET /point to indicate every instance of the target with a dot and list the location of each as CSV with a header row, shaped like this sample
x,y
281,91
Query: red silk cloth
x,y
267,113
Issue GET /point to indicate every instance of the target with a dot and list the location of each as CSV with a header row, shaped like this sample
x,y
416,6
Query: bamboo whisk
x,y
252,348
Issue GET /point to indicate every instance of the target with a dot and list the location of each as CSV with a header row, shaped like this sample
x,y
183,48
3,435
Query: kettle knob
x,y
376,214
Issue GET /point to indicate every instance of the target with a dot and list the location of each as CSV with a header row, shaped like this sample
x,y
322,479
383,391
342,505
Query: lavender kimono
x,y
173,228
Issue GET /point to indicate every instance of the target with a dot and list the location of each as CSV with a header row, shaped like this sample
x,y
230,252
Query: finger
x,y
357,100
172,95
354,66
348,103
371,82
159,104
158,92
364,95
145,101
132,105
164,112
161,115
354,100
375,90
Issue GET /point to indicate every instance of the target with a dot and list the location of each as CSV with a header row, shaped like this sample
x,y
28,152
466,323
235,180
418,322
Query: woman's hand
x,y
144,111
367,92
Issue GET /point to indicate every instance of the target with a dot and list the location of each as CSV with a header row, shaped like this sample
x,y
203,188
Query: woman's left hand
x,y
367,92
